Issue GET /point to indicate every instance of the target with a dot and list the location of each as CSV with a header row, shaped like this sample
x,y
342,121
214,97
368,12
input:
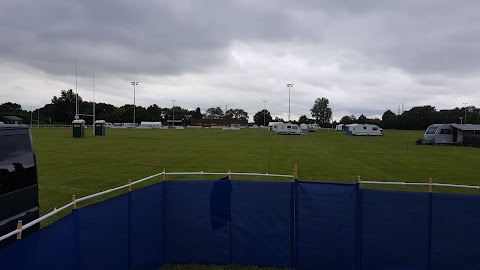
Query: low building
x,y
12,120
219,122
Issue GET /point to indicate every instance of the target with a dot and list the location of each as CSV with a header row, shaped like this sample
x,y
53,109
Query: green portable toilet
x,y
78,128
100,128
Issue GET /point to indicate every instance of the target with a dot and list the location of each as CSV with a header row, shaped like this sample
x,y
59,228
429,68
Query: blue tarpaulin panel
x,y
326,222
455,232
262,223
146,212
395,230
337,226
103,234
189,235
52,247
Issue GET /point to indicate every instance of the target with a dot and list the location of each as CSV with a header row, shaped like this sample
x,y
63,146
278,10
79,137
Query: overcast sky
x,y
365,56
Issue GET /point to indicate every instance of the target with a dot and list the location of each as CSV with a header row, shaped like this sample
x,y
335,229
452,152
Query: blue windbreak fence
x,y
302,225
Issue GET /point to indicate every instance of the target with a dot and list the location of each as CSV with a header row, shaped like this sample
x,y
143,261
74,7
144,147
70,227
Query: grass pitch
x,y
85,166
68,166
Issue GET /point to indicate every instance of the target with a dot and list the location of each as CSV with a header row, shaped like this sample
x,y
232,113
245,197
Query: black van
x,y
18,180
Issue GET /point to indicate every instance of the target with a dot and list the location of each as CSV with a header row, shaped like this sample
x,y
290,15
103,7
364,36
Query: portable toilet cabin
x,y
78,128
100,128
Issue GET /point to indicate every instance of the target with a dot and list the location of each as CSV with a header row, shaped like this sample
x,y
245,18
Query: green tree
x,y
305,120
348,119
362,119
262,117
236,114
64,106
197,114
214,113
389,120
321,112
10,108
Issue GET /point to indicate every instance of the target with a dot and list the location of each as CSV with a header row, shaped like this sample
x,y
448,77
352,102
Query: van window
x,y
17,165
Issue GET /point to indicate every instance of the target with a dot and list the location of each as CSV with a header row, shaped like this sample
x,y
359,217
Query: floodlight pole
x,y
93,81
76,91
173,112
264,106
289,85
465,119
134,123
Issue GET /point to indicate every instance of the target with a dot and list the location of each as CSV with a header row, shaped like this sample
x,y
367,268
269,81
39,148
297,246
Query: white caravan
x,y
313,127
363,130
272,126
288,129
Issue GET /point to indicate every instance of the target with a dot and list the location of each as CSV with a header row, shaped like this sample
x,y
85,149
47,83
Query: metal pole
x,y
289,85
38,117
134,105
465,119
93,122
134,123
173,112
76,91
264,106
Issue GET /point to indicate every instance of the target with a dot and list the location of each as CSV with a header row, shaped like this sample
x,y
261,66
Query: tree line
x,y
61,110
419,118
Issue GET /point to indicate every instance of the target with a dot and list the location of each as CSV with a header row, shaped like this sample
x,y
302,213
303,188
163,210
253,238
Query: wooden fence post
x,y
296,171
74,202
19,227
228,175
359,180
129,185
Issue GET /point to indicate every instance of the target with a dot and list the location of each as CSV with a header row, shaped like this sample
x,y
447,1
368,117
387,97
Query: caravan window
x,y
294,127
374,128
364,127
446,131
432,129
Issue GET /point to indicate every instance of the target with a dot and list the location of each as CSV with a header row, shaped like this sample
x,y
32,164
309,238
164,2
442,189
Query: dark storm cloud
x,y
130,36
169,37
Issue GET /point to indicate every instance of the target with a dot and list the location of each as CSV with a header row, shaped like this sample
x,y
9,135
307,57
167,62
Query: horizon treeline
x,y
61,110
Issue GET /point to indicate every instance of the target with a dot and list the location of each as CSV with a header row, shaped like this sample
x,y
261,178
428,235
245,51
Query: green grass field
x,y
69,165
